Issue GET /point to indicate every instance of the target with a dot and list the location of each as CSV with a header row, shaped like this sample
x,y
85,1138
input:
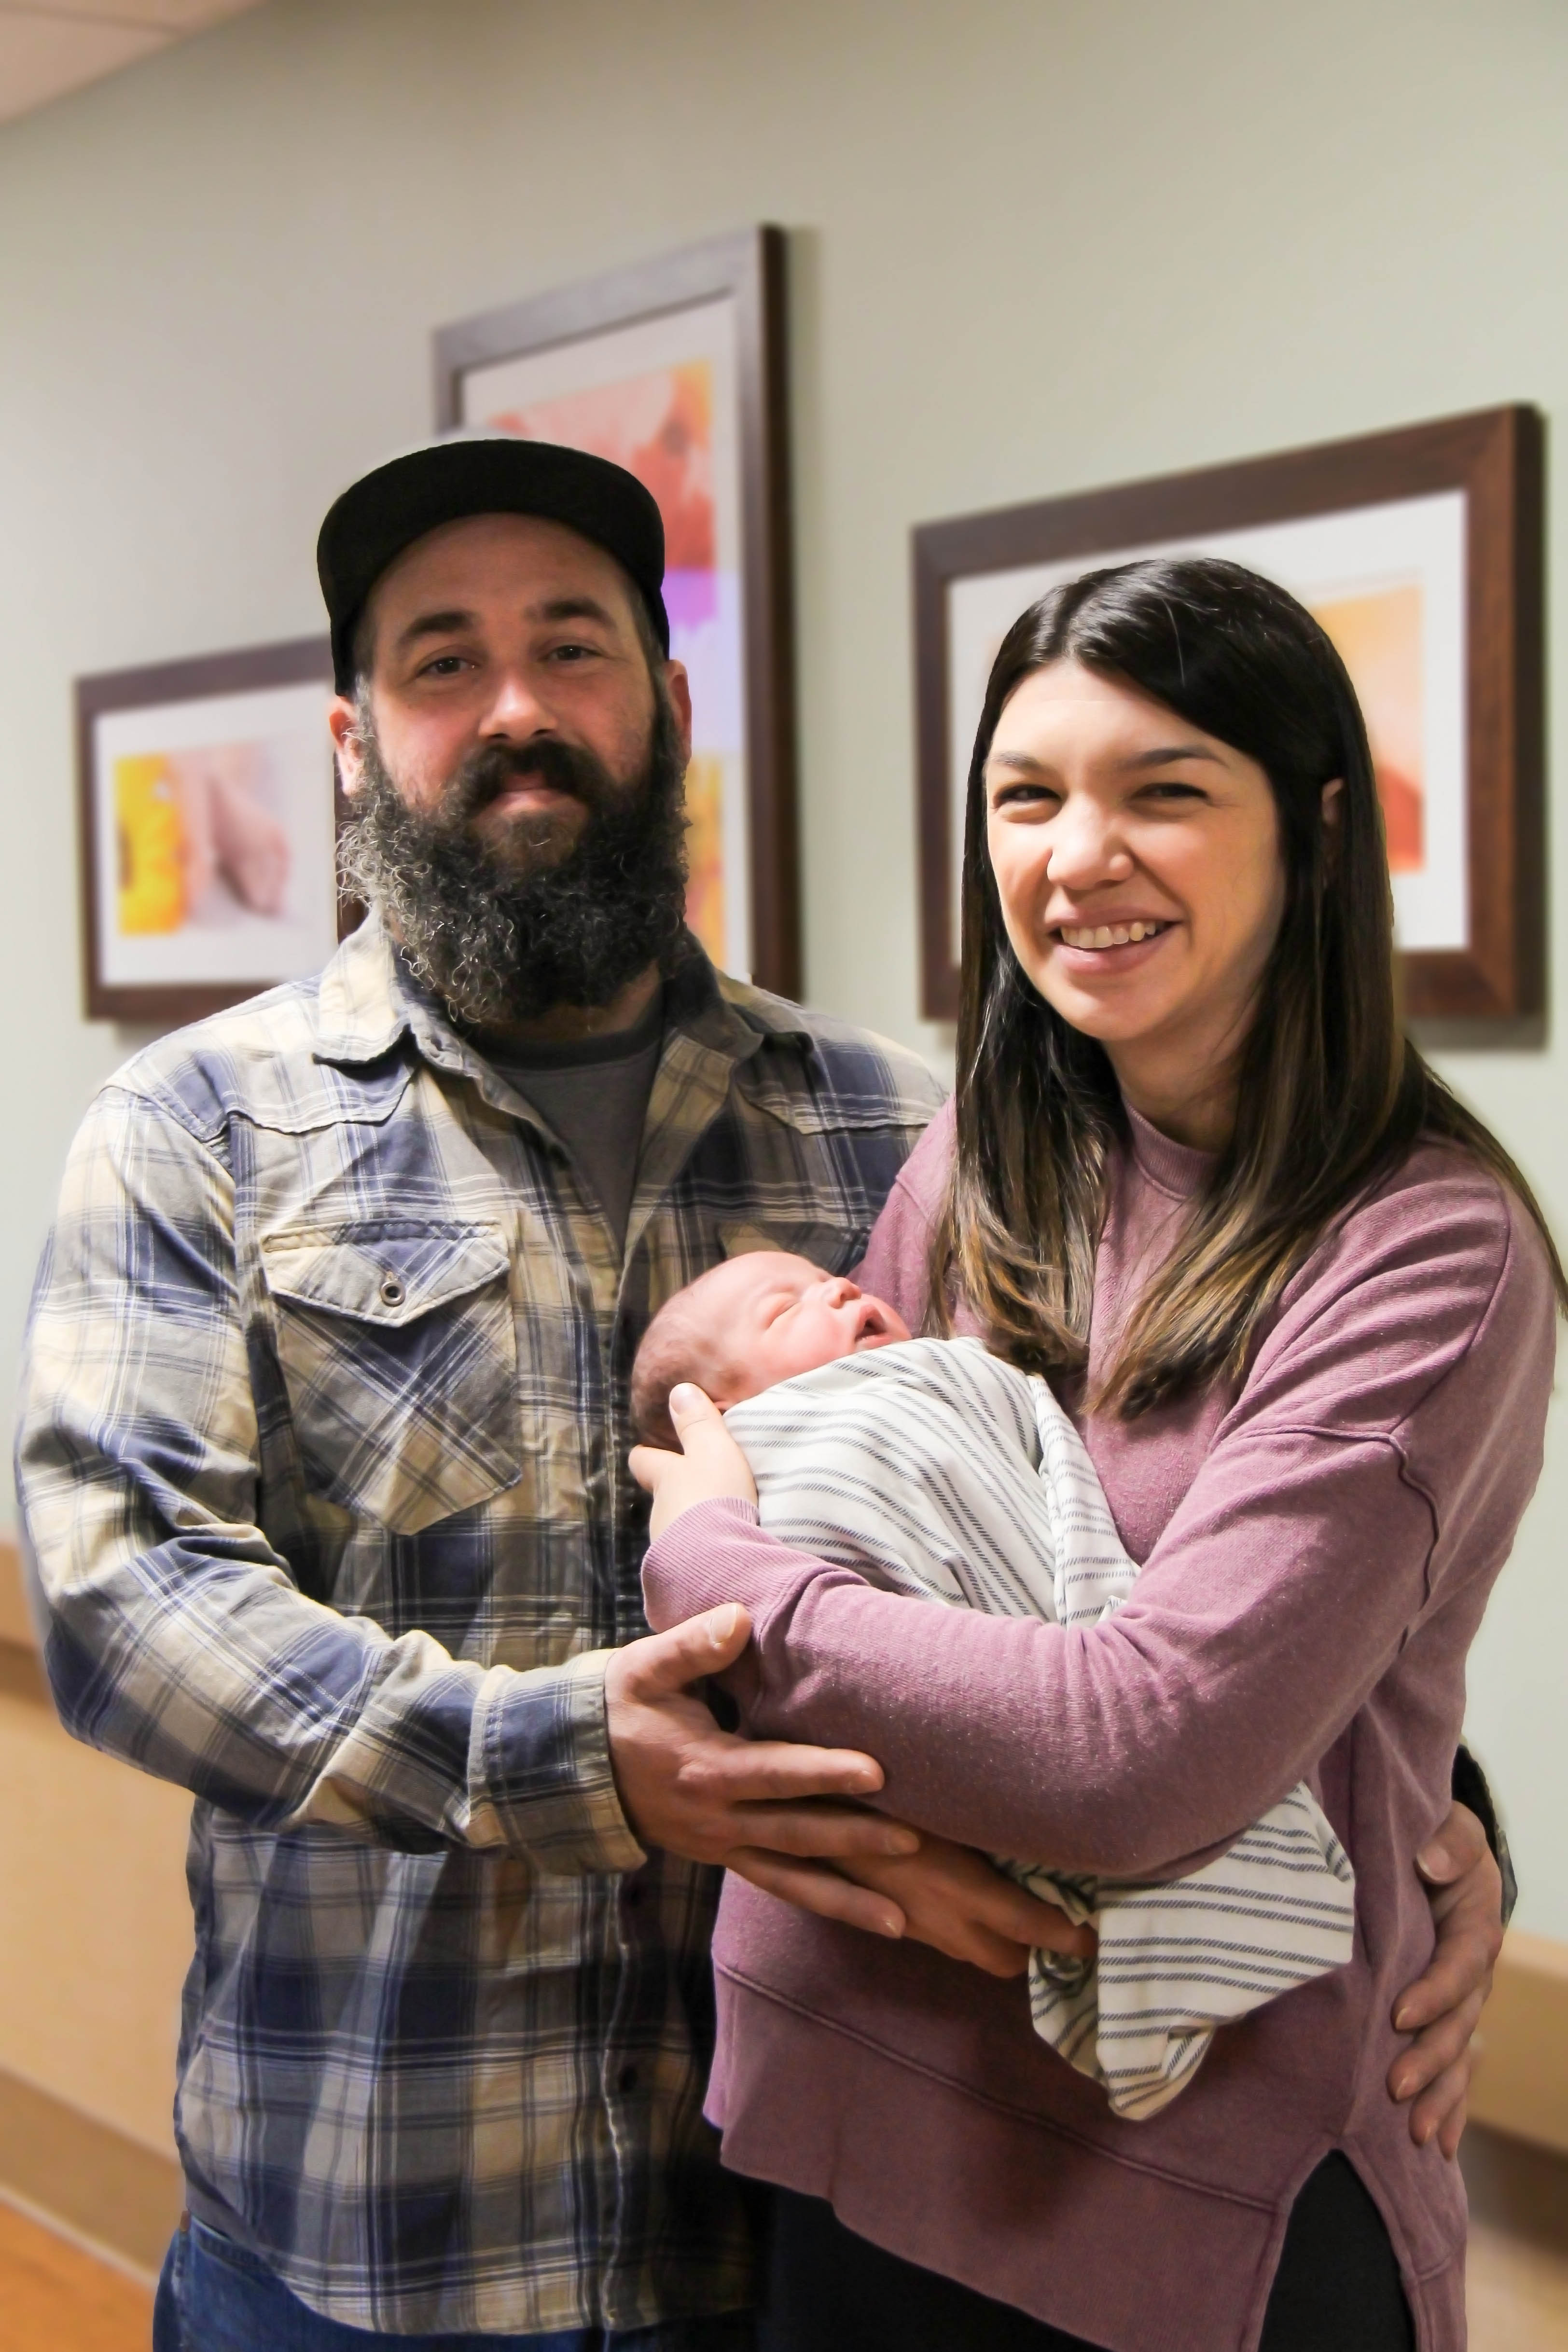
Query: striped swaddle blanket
x,y
934,1469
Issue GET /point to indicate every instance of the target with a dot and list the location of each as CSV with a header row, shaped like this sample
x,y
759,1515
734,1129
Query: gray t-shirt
x,y
593,1093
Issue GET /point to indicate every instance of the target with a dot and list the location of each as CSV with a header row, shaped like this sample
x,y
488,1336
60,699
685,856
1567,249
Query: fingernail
x,y
891,1928
1402,2020
682,1397
722,1624
1435,1862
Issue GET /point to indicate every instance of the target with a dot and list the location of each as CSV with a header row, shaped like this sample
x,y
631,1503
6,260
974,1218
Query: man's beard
x,y
507,928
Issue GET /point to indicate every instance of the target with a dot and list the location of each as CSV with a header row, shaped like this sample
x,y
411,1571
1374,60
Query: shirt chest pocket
x,y
399,1351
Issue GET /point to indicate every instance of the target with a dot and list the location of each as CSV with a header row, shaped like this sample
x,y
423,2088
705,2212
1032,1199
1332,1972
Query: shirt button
x,y
627,2080
391,1291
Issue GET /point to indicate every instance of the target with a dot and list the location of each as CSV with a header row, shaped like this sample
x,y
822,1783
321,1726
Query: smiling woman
x,y
1173,746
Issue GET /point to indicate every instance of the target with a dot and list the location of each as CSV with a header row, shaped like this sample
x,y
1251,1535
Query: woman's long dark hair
x,y
1331,1095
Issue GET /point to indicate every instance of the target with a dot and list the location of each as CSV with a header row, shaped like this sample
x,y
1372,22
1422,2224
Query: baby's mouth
x,y
1109,935
872,1329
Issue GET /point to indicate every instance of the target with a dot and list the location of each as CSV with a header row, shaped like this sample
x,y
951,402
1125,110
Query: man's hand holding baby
x,y
770,1809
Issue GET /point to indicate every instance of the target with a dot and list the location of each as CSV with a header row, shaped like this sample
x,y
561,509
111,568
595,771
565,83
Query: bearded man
x,y
322,1459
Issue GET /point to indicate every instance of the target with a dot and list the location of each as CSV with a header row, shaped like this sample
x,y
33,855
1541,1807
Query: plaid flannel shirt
x,y
323,1461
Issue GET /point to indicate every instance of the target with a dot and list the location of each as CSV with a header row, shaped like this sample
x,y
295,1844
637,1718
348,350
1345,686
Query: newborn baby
x,y
757,1318
931,1468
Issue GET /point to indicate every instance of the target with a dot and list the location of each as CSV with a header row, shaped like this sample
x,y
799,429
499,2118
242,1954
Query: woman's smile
x,y
1110,941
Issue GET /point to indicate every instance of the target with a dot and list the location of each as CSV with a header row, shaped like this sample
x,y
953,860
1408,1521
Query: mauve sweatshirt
x,y
1317,1549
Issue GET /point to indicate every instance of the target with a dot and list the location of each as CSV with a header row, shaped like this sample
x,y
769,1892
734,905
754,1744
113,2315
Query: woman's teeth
x,y
1112,935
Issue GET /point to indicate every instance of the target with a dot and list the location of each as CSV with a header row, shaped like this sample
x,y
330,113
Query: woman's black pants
x,y
825,2290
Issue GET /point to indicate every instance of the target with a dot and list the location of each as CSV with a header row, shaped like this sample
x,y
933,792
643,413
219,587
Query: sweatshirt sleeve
x,y
1373,1469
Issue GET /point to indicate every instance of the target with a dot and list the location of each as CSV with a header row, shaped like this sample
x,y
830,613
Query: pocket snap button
x,y
391,1291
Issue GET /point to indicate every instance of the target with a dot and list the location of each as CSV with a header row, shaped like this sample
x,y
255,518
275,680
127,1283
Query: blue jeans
x,y
218,2296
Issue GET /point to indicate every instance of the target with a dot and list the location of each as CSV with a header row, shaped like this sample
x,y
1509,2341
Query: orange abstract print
x,y
1378,635
659,427
705,851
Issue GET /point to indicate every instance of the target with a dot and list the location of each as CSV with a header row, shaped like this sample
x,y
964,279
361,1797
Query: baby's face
x,y
783,1315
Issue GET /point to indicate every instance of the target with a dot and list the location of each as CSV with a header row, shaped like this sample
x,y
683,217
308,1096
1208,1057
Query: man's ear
x,y
343,724
680,689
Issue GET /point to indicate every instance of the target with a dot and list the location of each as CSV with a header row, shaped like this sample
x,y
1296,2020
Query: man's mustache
x,y
487,774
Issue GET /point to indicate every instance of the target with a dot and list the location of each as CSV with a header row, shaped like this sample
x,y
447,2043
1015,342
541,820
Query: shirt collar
x,y
361,1012
369,1001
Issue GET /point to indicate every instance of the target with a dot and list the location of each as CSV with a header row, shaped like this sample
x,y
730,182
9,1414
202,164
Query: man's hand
x,y
1441,2009
956,1900
765,1807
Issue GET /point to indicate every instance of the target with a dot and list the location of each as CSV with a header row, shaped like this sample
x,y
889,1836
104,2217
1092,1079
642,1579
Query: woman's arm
x,y
1373,1470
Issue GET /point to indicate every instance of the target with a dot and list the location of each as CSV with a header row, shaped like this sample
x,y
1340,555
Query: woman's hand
x,y
954,1900
1441,2008
709,1468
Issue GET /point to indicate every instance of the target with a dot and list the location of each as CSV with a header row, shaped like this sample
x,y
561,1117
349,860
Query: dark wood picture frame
x,y
749,268
299,661
1497,457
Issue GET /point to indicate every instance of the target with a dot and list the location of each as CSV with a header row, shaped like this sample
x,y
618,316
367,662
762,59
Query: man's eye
x,y
443,666
572,652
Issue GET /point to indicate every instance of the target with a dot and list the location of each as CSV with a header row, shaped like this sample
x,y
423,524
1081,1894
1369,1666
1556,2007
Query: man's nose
x,y
516,710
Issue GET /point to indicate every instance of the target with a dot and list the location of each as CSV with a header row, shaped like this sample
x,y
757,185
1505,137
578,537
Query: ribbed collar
x,y
1175,1168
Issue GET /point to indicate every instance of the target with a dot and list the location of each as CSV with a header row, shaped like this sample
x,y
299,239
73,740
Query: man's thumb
x,y
699,1645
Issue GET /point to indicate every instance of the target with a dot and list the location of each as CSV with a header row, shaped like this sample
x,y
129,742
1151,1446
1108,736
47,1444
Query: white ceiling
x,y
47,46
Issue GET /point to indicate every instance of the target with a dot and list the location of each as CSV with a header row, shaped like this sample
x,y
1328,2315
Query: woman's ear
x,y
1330,801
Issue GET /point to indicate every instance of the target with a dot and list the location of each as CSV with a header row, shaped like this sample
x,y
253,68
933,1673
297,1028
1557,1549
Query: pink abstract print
x,y
659,427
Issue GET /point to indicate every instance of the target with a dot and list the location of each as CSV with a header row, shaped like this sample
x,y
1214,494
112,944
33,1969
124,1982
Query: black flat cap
x,y
482,473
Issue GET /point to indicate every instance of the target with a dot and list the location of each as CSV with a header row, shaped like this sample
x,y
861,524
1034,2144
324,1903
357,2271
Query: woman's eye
x,y
1026,796
1171,789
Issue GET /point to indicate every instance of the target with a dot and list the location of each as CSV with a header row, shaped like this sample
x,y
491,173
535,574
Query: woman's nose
x,y
1085,848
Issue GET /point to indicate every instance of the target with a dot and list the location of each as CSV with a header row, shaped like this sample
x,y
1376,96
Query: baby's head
x,y
756,1319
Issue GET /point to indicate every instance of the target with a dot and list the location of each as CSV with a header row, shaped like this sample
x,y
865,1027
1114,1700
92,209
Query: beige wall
x,y
97,1925
1034,246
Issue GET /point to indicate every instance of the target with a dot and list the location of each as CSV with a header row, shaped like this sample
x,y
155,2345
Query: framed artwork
x,y
676,370
208,830
1421,553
